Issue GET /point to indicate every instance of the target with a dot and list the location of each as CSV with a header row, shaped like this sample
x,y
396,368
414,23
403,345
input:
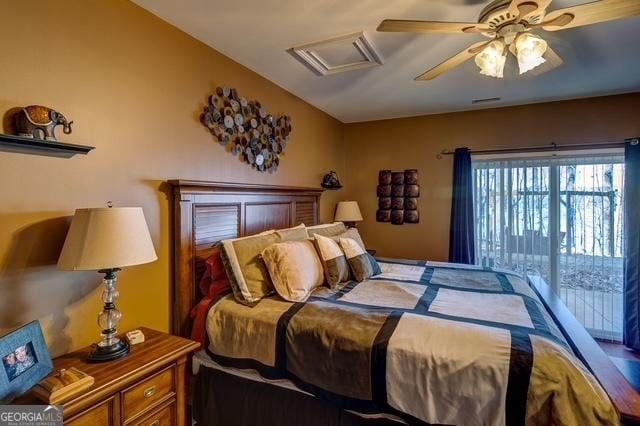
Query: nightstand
x,y
147,387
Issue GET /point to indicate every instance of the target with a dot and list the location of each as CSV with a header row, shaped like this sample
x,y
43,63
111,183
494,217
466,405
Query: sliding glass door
x,y
560,218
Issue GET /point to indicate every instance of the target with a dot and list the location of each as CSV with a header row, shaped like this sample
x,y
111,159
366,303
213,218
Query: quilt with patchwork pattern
x,y
433,343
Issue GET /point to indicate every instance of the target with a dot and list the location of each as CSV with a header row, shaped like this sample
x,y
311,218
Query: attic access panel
x,y
337,54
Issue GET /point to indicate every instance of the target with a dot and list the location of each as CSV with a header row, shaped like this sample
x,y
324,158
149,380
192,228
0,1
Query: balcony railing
x,y
562,220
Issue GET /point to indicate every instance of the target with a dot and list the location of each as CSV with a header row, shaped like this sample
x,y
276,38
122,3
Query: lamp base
x,y
108,353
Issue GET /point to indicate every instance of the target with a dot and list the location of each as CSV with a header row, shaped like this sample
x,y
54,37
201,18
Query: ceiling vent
x,y
337,54
484,101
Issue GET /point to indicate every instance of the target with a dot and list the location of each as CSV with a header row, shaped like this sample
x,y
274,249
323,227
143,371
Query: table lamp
x,y
106,240
349,213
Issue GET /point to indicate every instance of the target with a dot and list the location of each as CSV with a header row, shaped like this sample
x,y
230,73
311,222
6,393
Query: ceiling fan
x,y
508,25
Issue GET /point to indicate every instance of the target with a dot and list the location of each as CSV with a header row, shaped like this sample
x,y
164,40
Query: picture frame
x,y
24,361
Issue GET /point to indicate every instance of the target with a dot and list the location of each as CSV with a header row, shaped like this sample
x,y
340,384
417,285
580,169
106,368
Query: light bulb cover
x,y
491,59
530,49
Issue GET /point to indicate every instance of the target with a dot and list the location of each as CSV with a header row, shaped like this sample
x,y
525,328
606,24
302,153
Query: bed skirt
x,y
223,399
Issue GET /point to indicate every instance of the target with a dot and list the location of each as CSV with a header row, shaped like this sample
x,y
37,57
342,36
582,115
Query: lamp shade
x,y
105,238
530,49
348,211
491,59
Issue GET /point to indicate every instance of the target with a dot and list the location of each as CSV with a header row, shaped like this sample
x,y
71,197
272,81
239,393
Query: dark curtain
x,y
631,330
461,234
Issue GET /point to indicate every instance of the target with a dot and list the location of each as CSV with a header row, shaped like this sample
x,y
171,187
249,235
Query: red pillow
x,y
214,282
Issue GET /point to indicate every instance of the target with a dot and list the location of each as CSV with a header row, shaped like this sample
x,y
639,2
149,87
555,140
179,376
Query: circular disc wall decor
x,y
246,129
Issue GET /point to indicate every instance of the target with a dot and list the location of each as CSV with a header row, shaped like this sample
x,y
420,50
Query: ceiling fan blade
x,y
553,62
559,21
404,26
524,9
592,13
454,61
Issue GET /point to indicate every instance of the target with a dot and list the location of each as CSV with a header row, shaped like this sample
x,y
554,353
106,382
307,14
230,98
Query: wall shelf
x,y
38,146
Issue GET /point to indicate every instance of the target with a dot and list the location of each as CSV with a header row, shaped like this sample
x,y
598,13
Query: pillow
x,y
334,263
295,269
247,272
214,282
293,234
354,235
362,264
327,230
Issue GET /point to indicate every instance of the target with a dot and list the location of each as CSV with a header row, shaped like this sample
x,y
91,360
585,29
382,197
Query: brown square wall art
x,y
398,194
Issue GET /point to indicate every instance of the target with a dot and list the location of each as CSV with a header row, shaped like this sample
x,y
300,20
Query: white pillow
x,y
295,269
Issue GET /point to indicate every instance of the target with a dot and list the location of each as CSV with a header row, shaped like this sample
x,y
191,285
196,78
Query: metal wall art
x,y
398,194
246,130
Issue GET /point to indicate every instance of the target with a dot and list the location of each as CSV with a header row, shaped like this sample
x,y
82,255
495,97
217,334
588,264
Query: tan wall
x,y
134,86
414,142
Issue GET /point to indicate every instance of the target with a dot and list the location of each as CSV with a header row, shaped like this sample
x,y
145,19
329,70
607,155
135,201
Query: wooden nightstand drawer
x,y
100,414
138,398
164,416
146,386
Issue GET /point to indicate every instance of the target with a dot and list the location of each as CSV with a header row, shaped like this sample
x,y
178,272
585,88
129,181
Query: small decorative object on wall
x,y
331,181
25,361
398,194
39,122
246,130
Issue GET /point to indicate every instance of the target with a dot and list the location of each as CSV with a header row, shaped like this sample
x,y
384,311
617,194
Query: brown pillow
x,y
327,230
296,233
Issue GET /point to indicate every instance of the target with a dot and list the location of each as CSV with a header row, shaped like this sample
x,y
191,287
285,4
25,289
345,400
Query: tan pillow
x,y
295,269
327,229
334,263
247,272
293,234
353,234
363,266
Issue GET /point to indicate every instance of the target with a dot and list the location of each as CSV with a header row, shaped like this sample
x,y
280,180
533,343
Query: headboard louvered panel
x,y
306,213
207,212
212,224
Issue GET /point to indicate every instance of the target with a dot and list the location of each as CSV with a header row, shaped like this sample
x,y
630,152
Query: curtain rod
x,y
545,148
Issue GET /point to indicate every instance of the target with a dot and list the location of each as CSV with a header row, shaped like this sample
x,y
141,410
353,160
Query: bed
x,y
492,349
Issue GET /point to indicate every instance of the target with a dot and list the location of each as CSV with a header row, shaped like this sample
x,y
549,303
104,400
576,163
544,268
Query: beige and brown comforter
x,y
434,343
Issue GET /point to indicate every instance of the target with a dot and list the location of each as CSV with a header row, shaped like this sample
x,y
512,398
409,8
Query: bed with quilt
x,y
391,341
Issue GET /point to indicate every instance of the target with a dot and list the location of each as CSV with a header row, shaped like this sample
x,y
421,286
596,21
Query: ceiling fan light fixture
x,y
530,50
491,59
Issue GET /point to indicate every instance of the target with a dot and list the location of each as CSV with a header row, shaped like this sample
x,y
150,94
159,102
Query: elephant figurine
x,y
37,121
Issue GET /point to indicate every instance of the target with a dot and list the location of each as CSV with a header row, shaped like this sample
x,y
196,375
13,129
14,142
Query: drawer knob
x,y
149,392
155,423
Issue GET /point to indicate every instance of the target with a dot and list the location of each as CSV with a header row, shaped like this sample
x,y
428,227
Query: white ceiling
x,y
599,59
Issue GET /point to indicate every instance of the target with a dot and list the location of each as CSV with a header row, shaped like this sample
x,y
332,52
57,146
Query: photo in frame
x,y
24,361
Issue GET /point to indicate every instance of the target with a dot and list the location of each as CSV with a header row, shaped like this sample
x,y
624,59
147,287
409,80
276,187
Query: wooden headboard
x,y
207,212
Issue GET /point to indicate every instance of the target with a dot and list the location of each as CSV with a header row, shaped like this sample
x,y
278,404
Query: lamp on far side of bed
x,y
349,213
106,240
